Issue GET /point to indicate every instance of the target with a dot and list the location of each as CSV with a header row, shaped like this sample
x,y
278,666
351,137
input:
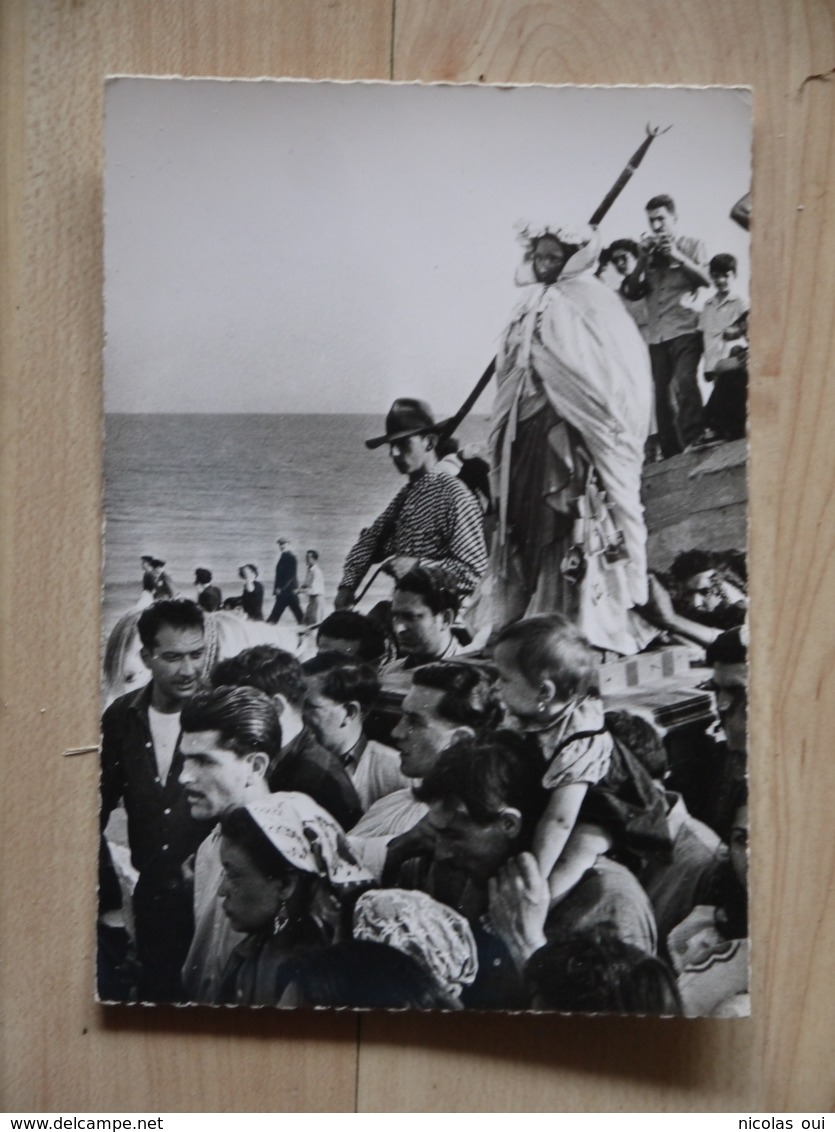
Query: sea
x,y
217,490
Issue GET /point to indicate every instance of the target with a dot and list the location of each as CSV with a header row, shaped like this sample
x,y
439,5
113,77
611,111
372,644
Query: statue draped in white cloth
x,y
567,436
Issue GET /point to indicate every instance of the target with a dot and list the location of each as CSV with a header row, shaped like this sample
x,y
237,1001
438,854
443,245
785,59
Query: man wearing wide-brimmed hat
x,y
434,519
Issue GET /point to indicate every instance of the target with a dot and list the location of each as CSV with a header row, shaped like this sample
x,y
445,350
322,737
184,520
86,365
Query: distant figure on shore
x,y
435,519
252,598
156,584
209,597
286,584
313,587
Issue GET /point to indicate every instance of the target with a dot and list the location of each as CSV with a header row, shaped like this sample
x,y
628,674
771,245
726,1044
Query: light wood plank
x,y
60,1051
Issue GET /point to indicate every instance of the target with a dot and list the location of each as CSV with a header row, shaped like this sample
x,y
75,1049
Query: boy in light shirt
x,y
721,314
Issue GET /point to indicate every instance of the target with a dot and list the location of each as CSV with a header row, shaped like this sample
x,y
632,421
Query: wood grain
x,y
60,1051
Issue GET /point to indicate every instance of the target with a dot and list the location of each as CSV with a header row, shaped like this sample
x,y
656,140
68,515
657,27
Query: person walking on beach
x,y
286,584
313,588
434,519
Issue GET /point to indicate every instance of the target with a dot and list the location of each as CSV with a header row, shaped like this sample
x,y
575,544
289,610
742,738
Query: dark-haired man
x,y
229,738
423,610
302,764
353,635
486,798
141,764
339,697
445,703
728,656
670,269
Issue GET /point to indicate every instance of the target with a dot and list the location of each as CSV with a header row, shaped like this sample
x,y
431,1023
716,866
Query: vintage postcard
x,y
425,591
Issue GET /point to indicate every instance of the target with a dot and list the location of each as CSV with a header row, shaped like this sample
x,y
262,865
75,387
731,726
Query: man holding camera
x,y
670,269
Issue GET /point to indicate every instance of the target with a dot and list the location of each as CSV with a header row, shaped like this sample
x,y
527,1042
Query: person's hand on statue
x,y
519,902
344,598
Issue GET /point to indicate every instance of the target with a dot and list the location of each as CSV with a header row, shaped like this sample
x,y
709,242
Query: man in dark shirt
x,y
141,764
286,584
302,764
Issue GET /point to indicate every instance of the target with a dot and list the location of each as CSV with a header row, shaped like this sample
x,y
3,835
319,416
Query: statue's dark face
x,y
549,258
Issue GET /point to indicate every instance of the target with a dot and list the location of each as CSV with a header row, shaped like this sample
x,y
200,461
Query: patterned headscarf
x,y
308,838
435,936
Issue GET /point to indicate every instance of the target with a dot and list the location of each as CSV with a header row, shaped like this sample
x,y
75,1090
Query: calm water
x,y
218,490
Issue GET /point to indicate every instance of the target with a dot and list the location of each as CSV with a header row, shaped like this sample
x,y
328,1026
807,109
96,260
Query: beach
x,y
217,490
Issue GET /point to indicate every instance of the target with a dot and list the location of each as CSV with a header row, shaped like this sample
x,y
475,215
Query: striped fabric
x,y
434,518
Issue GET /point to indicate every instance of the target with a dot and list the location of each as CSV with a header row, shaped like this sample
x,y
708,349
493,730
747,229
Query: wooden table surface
x,y
62,1052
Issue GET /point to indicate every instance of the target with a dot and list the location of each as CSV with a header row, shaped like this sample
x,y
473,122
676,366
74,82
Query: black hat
x,y
407,417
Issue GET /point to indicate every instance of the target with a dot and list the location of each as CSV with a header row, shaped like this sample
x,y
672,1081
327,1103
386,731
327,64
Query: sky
x,y
297,247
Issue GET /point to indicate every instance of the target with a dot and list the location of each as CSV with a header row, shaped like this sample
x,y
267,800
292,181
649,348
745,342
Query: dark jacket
x,y
286,573
305,766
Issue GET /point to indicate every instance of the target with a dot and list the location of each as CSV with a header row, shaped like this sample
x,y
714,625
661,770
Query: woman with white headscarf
x,y
567,437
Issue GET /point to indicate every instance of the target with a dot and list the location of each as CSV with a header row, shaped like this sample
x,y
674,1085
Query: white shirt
x,y
376,773
165,731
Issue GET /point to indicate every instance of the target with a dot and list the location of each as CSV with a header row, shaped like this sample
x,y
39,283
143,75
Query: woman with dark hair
x,y
290,881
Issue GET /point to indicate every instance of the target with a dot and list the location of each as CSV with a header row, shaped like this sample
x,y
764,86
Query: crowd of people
x,y
496,838
434,803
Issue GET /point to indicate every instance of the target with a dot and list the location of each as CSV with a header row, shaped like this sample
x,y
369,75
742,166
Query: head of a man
x,y
486,797
339,696
311,557
269,669
728,655
353,635
447,702
661,215
411,435
704,593
230,737
722,270
423,609
173,650
413,455
623,255
202,577
282,544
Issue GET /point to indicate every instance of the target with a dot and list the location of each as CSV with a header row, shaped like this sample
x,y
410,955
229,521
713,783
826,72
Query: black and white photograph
x,y
425,598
